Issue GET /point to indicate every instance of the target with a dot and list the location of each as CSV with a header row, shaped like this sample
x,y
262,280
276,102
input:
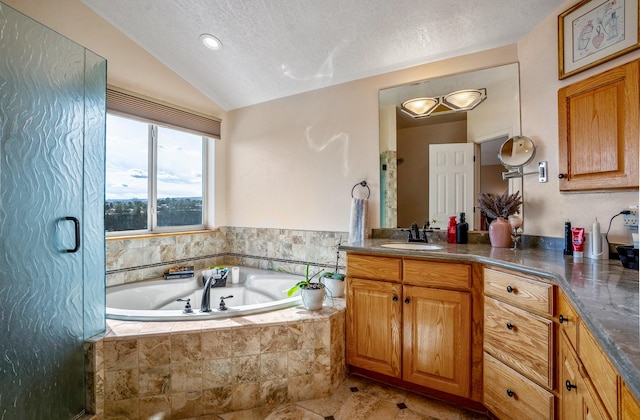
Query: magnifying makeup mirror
x,y
515,153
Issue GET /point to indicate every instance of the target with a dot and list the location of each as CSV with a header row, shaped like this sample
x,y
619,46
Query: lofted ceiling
x,y
277,48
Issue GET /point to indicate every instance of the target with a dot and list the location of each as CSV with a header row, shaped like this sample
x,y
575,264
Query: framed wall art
x,y
595,31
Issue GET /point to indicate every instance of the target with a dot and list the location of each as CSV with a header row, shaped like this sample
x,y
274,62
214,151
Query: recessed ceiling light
x,y
210,41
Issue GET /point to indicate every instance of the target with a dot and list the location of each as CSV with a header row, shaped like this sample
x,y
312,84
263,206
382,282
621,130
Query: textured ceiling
x,y
277,48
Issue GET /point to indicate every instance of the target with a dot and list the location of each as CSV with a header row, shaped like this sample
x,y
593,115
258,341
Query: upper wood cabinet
x,y
598,131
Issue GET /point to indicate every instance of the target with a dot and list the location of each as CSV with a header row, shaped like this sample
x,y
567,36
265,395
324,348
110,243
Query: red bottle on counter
x,y
451,230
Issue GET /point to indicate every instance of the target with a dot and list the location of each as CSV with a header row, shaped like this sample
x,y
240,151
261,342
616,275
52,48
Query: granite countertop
x,y
605,294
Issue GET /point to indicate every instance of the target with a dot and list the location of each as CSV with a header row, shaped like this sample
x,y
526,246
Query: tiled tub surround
x,y
135,259
198,368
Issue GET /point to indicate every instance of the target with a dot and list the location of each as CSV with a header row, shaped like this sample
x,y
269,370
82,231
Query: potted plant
x,y
312,293
334,280
500,207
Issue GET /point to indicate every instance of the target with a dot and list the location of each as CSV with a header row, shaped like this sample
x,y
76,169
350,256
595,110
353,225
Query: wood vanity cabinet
x,y
598,122
411,319
518,345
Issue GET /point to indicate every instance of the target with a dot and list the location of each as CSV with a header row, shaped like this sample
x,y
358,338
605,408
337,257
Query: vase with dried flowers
x,y
500,207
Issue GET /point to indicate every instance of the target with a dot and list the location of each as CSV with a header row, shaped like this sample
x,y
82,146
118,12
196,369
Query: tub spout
x,y
205,305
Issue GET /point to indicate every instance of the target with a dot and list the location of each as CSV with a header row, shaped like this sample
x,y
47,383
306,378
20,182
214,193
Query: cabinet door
x,y
570,383
599,369
374,325
578,398
437,339
598,131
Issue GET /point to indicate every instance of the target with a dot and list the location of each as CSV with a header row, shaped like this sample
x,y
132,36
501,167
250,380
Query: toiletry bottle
x,y
462,229
451,230
568,241
596,241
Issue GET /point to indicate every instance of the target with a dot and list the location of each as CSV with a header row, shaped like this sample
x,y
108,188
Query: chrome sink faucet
x,y
205,304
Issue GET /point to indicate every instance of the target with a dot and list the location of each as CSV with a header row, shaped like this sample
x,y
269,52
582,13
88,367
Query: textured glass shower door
x,y
42,165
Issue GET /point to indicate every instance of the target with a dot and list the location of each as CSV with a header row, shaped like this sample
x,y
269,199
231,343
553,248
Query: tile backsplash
x,y
135,259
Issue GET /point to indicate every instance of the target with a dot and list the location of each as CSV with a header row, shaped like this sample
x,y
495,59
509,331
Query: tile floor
x,y
360,398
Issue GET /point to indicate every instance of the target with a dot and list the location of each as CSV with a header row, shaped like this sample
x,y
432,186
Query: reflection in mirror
x,y
517,152
412,187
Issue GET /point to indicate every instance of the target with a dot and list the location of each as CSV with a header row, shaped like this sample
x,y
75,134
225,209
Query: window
x,y
155,177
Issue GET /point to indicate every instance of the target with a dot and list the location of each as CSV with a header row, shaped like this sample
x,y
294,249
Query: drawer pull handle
x,y
510,326
562,319
569,385
406,300
510,393
510,289
395,298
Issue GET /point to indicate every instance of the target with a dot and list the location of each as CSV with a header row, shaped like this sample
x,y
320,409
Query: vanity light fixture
x,y
461,100
465,100
420,107
210,41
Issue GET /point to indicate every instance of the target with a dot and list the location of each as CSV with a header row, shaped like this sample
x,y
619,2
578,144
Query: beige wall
x,y
546,208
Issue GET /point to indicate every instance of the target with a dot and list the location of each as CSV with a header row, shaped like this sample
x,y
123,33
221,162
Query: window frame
x,y
152,181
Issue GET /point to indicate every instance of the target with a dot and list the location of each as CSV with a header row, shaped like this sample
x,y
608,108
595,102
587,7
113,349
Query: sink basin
x,y
413,246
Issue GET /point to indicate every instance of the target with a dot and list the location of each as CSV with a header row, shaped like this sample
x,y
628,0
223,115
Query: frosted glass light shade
x,y
464,100
420,107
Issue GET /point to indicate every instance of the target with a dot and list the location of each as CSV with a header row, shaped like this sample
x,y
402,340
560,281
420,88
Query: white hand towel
x,y
358,225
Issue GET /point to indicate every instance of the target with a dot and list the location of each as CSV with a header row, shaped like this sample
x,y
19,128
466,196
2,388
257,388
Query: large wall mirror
x,y
434,167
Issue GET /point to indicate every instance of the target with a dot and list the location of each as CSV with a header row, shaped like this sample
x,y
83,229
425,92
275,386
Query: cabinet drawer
x,y
510,395
526,293
373,267
437,274
599,370
568,320
520,339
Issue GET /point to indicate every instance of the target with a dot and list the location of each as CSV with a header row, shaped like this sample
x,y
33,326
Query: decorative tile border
x,y
131,259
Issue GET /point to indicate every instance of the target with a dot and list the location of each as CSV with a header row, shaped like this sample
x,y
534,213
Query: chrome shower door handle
x,y
76,226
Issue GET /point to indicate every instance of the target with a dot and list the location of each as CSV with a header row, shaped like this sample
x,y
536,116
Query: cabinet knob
x,y
510,393
562,319
510,289
395,298
510,326
406,300
560,176
569,385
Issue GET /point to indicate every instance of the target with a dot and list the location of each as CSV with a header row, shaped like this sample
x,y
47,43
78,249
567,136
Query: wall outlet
x,y
631,219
